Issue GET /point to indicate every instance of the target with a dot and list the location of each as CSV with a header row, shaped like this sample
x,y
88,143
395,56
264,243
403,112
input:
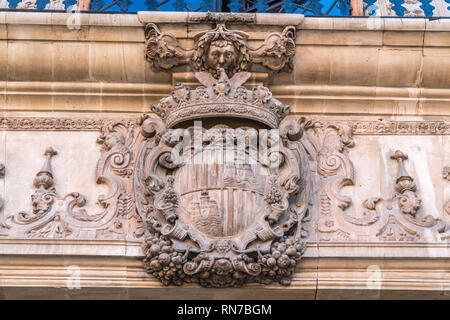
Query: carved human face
x,y
221,54
112,140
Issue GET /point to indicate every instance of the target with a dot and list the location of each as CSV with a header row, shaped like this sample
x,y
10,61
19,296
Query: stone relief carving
x,y
227,223
52,216
60,124
395,219
278,50
44,220
371,127
218,97
404,222
163,50
222,222
220,48
359,127
2,175
327,146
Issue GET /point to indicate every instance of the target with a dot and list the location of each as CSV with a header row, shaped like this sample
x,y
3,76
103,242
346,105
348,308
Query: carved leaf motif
x,y
395,231
277,51
55,228
163,50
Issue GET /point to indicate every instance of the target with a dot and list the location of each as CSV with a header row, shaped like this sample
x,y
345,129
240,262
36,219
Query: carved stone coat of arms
x,y
223,204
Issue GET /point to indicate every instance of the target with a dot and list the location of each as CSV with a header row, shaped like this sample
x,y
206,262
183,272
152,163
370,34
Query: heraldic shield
x,y
222,206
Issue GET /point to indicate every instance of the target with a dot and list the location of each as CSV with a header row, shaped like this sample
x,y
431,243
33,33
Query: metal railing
x,y
396,8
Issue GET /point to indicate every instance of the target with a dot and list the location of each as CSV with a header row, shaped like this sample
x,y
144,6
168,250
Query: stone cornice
x,y
305,23
121,276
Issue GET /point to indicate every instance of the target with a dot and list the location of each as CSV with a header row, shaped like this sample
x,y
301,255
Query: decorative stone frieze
x,y
395,219
52,216
358,127
404,221
59,124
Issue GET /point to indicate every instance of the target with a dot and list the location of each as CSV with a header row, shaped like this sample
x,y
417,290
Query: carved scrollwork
x,y
277,51
64,217
400,219
115,168
178,252
163,50
49,215
327,145
220,48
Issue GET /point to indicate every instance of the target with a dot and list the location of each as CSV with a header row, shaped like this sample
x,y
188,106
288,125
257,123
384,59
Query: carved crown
x,y
224,98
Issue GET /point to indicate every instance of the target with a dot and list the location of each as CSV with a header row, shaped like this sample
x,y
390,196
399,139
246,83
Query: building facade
x,y
111,188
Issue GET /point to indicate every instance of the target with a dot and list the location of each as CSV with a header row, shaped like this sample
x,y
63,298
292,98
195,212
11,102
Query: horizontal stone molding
x,y
115,276
89,123
365,127
315,249
137,97
57,124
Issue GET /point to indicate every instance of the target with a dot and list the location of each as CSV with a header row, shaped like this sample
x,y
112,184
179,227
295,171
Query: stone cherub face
x,y
220,49
221,54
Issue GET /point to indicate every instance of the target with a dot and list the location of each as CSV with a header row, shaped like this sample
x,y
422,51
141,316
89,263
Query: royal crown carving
x,y
221,98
